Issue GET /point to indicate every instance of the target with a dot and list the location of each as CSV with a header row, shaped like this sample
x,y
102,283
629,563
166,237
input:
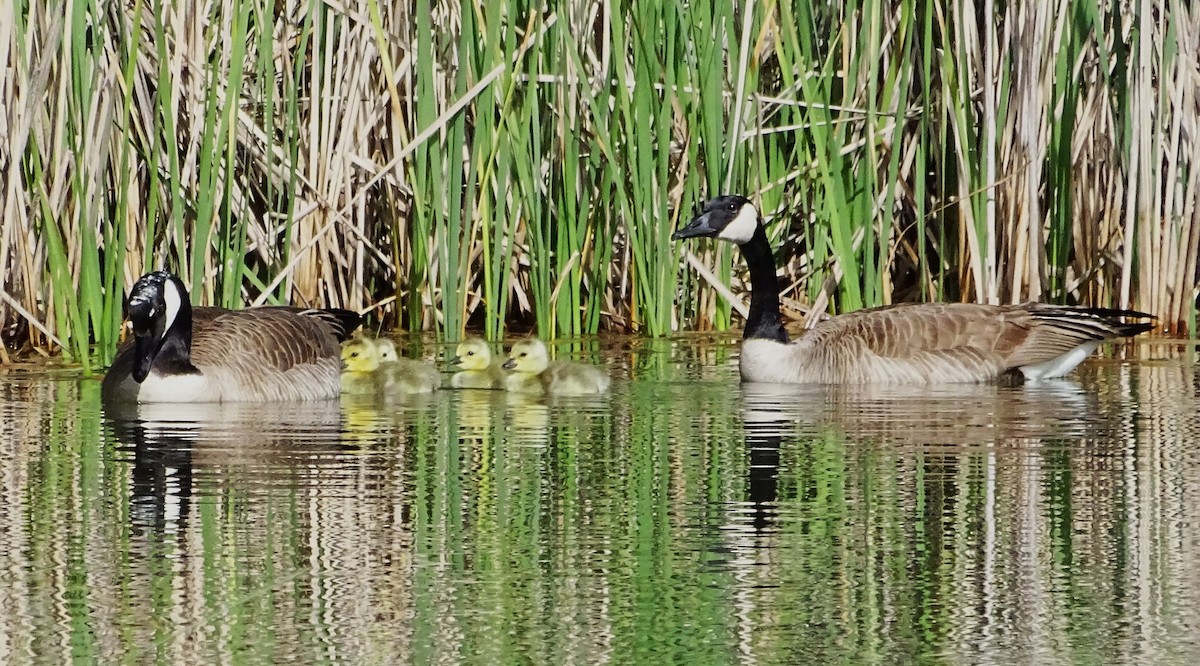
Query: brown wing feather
x,y
261,338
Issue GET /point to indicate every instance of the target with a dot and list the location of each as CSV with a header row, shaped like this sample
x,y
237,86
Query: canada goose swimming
x,y
532,371
906,343
478,370
205,354
374,366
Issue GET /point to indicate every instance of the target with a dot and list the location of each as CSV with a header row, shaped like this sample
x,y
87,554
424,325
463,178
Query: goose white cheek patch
x,y
741,229
173,300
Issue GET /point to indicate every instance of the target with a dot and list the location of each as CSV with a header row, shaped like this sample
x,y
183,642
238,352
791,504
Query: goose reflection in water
x,y
939,420
177,448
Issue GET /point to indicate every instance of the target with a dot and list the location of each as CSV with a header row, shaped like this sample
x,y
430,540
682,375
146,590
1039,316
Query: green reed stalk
x,y
524,132
63,297
165,133
232,229
115,232
1059,162
641,125
453,241
198,238
955,103
80,229
291,129
832,170
708,32
494,223
543,228
426,165
569,197
926,137
896,90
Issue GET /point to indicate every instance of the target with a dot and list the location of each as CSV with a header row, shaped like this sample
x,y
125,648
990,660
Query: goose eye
x,y
470,353
732,206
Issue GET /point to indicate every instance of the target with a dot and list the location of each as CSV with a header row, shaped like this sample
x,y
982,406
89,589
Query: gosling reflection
x,y
371,421
528,417
478,412
541,419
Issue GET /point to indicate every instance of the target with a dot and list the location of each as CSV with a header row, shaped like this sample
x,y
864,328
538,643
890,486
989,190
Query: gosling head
x,y
360,356
385,351
472,354
727,217
528,357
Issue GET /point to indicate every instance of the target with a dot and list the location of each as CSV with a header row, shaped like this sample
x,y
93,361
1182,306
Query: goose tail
x,y
343,321
1096,323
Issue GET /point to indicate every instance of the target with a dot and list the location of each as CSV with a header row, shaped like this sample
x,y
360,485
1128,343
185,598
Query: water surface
x,y
682,519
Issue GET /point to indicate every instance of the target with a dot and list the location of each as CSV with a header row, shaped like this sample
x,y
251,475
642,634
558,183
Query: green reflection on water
x,y
681,519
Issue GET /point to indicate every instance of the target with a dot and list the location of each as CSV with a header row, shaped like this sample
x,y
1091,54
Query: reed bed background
x,y
509,164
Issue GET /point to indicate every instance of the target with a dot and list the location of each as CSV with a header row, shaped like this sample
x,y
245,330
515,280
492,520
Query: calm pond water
x,y
682,519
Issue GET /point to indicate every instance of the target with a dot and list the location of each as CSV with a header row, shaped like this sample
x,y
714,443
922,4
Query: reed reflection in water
x,y
682,518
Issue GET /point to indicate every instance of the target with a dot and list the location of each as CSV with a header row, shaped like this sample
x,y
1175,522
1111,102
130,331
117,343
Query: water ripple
x,y
682,518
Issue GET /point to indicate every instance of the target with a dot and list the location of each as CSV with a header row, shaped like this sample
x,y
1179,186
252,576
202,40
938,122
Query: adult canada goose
x,y
906,343
205,354
532,371
477,369
374,366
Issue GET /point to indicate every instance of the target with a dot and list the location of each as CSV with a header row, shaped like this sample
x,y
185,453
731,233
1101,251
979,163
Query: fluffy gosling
x,y
477,369
532,371
375,367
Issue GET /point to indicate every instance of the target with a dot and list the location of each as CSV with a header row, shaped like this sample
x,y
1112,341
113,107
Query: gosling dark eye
x,y
470,353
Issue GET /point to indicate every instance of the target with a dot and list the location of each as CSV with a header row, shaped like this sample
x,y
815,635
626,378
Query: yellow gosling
x,y
532,371
404,375
375,367
359,363
477,369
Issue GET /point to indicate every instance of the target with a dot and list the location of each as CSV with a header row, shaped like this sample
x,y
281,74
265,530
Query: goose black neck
x,y
764,320
175,354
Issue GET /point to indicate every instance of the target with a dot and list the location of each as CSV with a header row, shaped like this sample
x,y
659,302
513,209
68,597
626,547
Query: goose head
x,y
161,315
360,356
528,357
727,217
734,219
472,354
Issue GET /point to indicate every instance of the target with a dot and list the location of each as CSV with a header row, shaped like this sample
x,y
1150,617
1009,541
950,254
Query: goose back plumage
x,y
937,342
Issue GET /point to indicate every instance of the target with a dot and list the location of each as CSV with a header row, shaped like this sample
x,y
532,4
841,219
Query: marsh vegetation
x,y
495,165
